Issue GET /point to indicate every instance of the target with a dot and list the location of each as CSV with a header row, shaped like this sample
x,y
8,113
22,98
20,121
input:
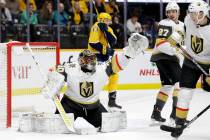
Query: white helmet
x,y
172,6
199,6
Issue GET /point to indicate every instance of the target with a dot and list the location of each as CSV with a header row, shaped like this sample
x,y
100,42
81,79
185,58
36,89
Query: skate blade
x,y
155,123
167,128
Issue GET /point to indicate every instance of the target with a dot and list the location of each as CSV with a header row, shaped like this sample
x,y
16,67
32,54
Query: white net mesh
x,y
3,86
25,76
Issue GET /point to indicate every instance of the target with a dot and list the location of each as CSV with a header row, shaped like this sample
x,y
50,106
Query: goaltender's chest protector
x,y
85,88
198,41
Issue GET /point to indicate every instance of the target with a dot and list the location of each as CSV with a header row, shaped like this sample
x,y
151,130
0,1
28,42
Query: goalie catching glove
x,y
136,44
54,83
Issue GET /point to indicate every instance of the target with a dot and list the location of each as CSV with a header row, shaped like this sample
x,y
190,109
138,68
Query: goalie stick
x,y
67,121
174,129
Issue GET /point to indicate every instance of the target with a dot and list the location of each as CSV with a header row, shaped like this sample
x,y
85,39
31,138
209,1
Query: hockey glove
x,y
137,43
175,38
110,51
207,80
103,27
55,82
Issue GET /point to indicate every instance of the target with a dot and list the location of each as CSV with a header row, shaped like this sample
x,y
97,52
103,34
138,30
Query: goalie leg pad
x,y
43,123
113,121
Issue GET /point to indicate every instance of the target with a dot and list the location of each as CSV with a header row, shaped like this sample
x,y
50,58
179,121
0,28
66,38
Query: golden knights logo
x,y
196,44
86,89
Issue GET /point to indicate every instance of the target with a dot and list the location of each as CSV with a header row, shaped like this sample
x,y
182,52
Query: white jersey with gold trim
x,y
165,29
197,41
85,88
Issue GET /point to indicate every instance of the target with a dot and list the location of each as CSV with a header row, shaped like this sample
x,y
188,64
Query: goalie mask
x,y
87,61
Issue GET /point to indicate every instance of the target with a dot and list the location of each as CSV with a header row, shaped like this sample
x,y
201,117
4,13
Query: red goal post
x,y
19,74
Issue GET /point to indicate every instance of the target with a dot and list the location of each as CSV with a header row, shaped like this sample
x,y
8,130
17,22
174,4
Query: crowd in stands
x,y
74,19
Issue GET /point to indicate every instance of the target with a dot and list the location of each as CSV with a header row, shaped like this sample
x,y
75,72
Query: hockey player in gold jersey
x,y
101,41
164,56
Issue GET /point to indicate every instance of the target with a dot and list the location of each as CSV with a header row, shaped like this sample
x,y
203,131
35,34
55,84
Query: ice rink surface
x,y
139,105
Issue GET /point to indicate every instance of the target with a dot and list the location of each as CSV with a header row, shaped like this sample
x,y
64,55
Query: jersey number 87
x,y
164,31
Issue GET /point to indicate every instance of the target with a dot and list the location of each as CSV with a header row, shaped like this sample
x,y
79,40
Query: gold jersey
x,y
97,36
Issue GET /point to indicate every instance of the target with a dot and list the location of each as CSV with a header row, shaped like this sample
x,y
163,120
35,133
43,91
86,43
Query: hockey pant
x,y
93,115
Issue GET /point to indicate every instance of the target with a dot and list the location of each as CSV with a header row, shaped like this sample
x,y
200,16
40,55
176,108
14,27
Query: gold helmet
x,y
104,16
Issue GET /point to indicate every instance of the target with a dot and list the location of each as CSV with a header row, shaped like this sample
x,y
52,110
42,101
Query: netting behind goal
x,y
19,74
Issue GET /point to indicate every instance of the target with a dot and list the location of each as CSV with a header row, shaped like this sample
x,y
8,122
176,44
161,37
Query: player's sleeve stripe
x,y
117,62
162,42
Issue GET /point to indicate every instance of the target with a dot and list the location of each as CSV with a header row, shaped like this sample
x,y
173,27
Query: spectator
x,y
23,4
112,8
5,18
68,6
33,20
5,12
98,7
64,17
46,13
147,32
13,7
32,16
39,3
118,30
133,25
82,4
77,14
150,31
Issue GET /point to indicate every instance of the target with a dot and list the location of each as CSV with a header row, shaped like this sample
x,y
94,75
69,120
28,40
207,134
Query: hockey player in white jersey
x,y
164,56
197,43
85,80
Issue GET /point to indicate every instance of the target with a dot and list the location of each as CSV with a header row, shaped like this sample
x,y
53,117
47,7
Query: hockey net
x,y
19,76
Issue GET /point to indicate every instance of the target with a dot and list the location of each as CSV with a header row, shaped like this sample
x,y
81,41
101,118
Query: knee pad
x,y
164,92
184,98
167,89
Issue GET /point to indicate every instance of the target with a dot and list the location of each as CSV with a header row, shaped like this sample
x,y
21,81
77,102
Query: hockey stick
x,y
174,129
185,53
67,121
192,59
